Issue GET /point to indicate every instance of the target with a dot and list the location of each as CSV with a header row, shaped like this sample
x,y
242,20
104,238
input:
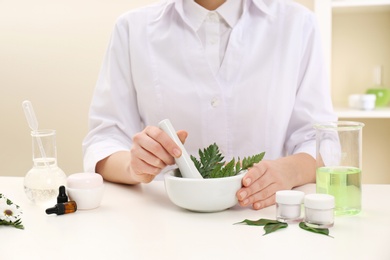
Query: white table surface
x,y
139,222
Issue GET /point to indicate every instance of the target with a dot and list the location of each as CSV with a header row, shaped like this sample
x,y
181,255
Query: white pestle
x,y
186,165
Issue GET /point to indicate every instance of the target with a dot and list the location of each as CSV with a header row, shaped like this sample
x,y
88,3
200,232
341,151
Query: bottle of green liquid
x,y
339,153
344,183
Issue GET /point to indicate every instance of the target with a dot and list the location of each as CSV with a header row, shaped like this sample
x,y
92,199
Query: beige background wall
x,y
50,53
361,41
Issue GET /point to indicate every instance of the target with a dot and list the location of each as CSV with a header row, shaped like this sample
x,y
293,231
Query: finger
x,y
141,168
142,171
254,173
148,141
170,148
145,157
264,203
145,178
182,136
252,182
259,196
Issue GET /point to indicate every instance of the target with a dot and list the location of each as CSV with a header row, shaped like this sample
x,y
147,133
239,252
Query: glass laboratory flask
x,y
42,182
339,164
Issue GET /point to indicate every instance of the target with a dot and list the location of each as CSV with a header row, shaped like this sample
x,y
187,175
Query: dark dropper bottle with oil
x,y
63,206
62,197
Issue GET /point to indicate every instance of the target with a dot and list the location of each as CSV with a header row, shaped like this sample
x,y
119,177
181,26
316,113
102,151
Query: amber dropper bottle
x,y
63,208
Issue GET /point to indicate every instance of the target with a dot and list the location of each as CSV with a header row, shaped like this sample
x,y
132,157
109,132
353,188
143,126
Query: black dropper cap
x,y
58,209
62,197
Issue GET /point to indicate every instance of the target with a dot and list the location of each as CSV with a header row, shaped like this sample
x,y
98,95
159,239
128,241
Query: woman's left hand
x,y
265,178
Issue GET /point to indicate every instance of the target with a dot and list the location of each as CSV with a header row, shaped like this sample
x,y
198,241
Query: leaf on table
x,y
322,231
259,222
272,227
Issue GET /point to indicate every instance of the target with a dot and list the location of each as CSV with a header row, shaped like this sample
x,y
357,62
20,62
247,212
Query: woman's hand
x,y
151,151
265,178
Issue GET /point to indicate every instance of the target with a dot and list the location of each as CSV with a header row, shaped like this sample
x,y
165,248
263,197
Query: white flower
x,y
10,213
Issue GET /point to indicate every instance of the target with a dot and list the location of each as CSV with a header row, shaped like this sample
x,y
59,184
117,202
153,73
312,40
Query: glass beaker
x,y
339,164
42,182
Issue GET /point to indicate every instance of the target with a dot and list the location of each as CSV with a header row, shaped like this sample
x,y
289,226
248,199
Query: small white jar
x,y
288,205
319,210
86,189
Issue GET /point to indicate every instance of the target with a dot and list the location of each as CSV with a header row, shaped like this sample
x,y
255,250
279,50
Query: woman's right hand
x,y
152,151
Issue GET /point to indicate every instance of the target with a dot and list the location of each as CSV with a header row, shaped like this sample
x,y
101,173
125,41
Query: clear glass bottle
x,y
339,164
42,182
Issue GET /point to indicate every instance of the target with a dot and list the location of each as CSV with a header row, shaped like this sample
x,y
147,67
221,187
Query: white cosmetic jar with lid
x,y
288,205
86,189
319,210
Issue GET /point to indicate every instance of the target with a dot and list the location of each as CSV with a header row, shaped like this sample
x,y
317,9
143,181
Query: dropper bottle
x,y
63,208
62,197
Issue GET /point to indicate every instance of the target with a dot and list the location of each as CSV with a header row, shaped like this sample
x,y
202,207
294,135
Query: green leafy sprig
x,y
211,164
269,224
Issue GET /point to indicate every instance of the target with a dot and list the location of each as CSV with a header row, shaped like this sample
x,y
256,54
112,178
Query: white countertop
x,y
139,222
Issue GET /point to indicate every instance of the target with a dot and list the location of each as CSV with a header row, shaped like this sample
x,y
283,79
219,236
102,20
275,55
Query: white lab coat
x,y
271,87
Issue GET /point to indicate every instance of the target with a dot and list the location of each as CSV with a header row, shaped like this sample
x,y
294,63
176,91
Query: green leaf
x,y
211,164
197,163
260,222
228,169
251,160
238,166
323,231
272,227
210,157
216,172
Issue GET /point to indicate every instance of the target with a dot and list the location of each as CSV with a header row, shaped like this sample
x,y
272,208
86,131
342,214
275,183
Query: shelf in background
x,y
359,5
344,112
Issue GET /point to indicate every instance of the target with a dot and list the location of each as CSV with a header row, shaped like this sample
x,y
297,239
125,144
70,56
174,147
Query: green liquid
x,y
344,183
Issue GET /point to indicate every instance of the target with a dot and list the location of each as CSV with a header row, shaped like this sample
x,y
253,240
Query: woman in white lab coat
x,y
248,75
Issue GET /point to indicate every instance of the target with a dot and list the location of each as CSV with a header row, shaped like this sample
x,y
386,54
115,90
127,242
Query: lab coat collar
x,y
195,13
230,11
262,5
